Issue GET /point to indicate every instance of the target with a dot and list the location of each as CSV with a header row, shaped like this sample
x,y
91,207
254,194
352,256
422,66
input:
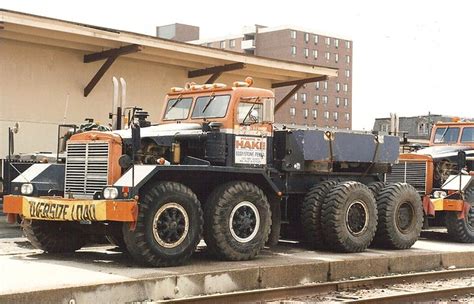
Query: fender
x,y
143,173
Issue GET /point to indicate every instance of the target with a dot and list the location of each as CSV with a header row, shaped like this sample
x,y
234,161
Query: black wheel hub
x,y
405,217
171,225
244,222
356,218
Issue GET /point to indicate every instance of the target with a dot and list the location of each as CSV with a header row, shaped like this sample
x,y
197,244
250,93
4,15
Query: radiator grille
x,y
86,168
413,173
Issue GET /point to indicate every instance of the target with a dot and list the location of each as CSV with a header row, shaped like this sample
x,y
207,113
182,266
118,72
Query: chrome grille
x,y
86,168
413,173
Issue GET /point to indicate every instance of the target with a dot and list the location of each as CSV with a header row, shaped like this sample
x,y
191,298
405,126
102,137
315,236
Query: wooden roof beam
x,y
124,50
111,55
299,82
216,71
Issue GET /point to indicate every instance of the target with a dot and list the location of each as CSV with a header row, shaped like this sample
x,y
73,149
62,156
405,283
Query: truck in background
x,y
442,175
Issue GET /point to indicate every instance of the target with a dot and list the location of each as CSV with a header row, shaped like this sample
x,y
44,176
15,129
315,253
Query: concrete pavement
x,y
105,275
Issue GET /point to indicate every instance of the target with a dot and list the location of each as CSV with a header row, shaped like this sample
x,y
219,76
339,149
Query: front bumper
x,y
63,209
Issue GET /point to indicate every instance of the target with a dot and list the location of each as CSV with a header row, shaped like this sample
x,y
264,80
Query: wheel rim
x,y
357,217
470,218
405,217
170,225
244,222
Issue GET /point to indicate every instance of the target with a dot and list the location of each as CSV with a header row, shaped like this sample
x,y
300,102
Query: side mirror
x,y
136,138
461,160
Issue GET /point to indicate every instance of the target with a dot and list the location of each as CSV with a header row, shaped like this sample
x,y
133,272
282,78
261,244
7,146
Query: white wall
x,y
35,81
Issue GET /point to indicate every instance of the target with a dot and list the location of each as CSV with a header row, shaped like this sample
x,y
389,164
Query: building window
x,y
346,87
336,57
347,116
338,101
348,73
306,37
326,114
209,44
306,53
328,56
338,87
315,54
315,113
292,111
303,97
422,128
348,44
316,39
305,113
317,85
222,45
232,43
336,43
325,99
335,115
328,41
295,97
325,83
348,59
293,34
316,99
346,102
293,50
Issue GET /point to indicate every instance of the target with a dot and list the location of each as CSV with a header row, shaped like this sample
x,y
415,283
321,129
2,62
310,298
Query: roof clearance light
x,y
456,119
219,85
239,84
176,89
249,81
207,86
196,87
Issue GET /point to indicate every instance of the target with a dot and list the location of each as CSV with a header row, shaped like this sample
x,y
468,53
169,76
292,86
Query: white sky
x,y
410,57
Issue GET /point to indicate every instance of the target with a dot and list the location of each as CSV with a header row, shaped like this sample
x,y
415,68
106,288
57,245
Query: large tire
x,y
238,220
462,230
376,187
168,228
311,214
349,217
54,236
400,214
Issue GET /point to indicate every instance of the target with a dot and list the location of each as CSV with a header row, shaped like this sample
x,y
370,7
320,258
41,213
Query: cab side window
x,y
249,113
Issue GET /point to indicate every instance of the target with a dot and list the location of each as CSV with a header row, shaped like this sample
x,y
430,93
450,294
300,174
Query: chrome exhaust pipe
x,y
123,101
115,103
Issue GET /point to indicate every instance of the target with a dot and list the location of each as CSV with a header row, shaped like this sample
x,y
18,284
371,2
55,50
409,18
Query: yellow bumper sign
x,y
63,210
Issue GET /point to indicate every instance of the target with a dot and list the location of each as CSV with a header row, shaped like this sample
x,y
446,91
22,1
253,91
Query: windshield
x,y
467,134
211,106
447,135
178,108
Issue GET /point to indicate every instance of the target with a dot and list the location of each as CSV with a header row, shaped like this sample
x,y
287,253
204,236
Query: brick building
x,y
322,104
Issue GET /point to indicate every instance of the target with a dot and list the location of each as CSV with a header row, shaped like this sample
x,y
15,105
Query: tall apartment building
x,y
323,104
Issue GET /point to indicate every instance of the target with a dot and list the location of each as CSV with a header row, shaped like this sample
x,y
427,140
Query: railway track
x,y
321,289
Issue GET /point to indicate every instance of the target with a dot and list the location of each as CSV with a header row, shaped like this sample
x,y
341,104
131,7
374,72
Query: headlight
x,y
26,189
440,194
110,193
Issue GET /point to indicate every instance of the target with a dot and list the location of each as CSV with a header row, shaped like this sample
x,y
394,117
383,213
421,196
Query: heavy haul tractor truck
x,y
215,167
443,175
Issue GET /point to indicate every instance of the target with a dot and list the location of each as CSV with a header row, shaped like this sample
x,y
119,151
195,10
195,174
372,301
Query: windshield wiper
x,y
211,98
175,103
444,134
248,113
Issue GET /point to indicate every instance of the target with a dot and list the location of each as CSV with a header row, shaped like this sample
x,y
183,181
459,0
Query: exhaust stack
x,y
115,103
123,101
